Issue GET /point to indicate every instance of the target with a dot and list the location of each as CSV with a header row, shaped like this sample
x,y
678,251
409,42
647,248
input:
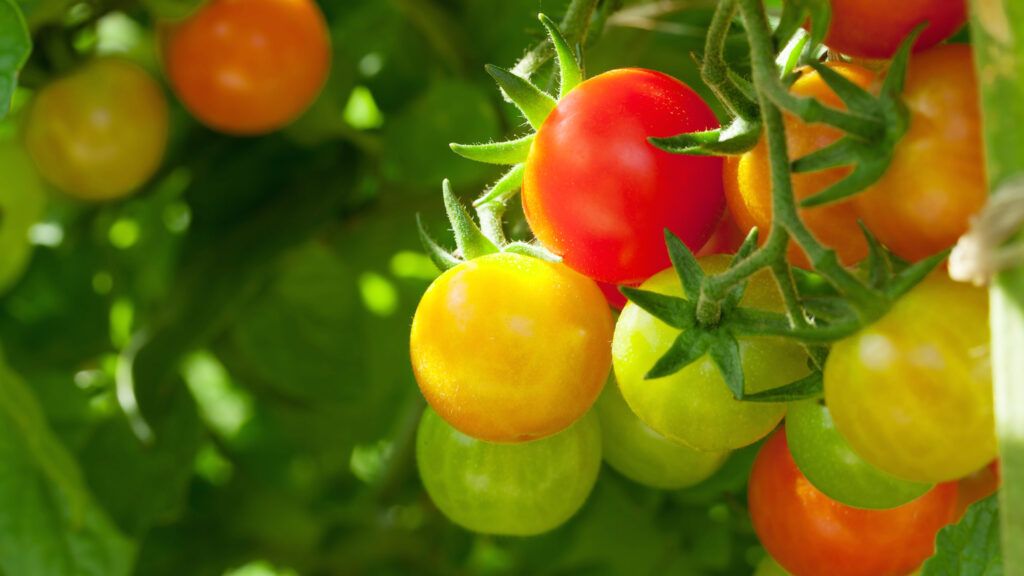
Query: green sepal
x,y
738,137
725,352
829,308
533,250
570,73
534,103
877,264
911,276
685,264
507,152
842,152
791,54
896,76
686,349
806,388
855,97
675,312
443,259
505,188
796,12
469,238
735,294
872,164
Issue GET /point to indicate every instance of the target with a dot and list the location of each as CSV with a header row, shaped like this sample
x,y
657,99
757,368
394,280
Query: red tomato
x,y
612,295
936,180
810,534
600,195
978,486
726,239
249,66
867,29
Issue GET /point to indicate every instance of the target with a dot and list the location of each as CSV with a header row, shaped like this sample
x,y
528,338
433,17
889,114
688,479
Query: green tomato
x,y
22,200
694,406
769,567
828,461
510,489
643,455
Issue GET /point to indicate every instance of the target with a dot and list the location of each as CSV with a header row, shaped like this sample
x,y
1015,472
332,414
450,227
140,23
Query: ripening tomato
x,y
748,176
936,180
865,29
511,489
248,66
612,294
726,239
810,534
978,486
694,406
643,455
597,193
509,348
100,132
912,393
22,200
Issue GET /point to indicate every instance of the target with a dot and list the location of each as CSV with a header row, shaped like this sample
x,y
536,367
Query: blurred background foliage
x,y
212,376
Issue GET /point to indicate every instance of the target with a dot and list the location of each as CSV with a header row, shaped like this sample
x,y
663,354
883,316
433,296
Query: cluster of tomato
x,y
99,132
511,352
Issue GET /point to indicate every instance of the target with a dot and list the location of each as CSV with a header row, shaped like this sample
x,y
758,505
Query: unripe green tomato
x,y
694,406
510,489
824,456
912,393
643,455
99,132
22,200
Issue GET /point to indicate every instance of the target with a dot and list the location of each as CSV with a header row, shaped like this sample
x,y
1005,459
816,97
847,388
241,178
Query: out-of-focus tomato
x,y
22,200
99,132
748,176
978,486
248,66
509,348
868,29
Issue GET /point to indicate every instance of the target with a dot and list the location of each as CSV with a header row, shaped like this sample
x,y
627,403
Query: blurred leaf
x,y
970,547
15,45
171,9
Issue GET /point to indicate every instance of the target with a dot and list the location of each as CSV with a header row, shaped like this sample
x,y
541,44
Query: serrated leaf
x,y
534,103
725,352
810,386
970,547
570,73
914,274
441,258
507,152
675,312
687,348
468,237
15,47
685,263
505,188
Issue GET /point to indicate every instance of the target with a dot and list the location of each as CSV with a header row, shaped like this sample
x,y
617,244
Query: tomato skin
x,y
598,194
748,176
248,66
511,489
726,239
612,294
509,348
912,393
100,132
831,465
978,486
639,453
22,201
810,534
936,180
694,407
865,29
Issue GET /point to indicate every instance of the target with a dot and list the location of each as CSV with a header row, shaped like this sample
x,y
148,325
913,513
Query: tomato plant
x,y
514,489
599,195
248,66
509,348
912,393
810,534
641,454
21,203
828,462
99,132
694,406
862,28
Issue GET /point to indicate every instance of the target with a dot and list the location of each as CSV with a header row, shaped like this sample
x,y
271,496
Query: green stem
x,y
574,27
714,69
794,310
997,30
490,215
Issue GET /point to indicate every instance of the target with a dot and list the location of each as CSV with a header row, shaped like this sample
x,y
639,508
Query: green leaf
x,y
441,258
508,152
534,103
471,241
725,352
970,547
685,263
172,9
687,348
569,71
810,386
675,312
15,46
49,523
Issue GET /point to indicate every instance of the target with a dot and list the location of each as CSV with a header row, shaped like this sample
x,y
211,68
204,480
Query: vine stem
x,y
574,27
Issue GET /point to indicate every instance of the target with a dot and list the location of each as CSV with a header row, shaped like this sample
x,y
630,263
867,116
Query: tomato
x,y
748,176
829,463
597,193
866,29
513,489
810,534
612,294
249,66
726,239
694,406
769,567
100,132
936,180
643,455
509,348
22,200
978,486
912,393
